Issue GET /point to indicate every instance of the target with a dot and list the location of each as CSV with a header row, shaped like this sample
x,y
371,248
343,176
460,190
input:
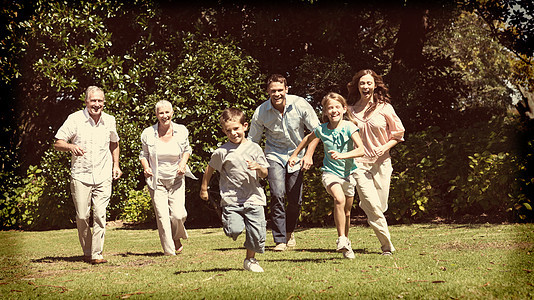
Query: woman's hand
x,y
181,168
148,173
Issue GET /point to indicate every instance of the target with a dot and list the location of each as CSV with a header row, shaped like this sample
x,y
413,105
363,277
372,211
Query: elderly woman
x,y
164,159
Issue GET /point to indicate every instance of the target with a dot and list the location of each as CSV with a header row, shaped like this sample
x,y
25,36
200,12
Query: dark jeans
x,y
282,183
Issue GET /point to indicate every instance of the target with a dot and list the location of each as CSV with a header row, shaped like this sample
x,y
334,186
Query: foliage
x,y
21,206
138,207
463,172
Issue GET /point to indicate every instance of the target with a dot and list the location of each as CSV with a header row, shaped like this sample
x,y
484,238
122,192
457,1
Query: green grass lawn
x,y
432,262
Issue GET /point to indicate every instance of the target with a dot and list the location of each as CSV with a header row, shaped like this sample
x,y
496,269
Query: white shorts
x,y
347,184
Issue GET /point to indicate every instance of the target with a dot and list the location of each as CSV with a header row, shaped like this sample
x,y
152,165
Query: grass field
x,y
432,262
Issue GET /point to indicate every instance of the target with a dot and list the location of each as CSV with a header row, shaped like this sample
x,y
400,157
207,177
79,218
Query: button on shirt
x,y
96,164
283,132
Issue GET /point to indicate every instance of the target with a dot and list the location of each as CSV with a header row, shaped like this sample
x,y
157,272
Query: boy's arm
x,y
205,181
261,171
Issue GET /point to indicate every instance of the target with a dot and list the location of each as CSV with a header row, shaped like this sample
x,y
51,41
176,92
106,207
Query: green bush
x,y
138,207
20,207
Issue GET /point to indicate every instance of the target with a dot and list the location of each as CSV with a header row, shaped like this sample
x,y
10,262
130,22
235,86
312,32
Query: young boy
x,y
240,163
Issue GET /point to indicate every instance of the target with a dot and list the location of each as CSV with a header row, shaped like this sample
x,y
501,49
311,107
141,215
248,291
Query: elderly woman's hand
x,y
148,173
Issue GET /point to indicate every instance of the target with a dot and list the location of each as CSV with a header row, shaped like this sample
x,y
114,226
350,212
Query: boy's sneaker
x,y
291,242
280,247
349,253
387,253
342,244
251,264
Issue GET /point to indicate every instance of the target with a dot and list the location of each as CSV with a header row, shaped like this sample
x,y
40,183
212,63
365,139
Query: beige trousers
x,y
169,205
83,195
372,183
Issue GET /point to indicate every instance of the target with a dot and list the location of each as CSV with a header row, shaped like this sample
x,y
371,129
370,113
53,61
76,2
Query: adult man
x,y
284,118
91,136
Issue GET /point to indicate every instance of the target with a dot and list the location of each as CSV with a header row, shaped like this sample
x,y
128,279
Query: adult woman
x,y
164,159
380,130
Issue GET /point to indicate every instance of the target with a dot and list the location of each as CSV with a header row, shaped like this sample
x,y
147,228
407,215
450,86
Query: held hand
x,y
335,155
77,150
292,161
306,162
204,195
148,173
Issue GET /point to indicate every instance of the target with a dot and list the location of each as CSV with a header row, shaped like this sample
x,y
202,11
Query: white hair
x,y
162,103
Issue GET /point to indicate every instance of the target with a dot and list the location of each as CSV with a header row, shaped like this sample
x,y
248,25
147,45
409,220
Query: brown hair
x,y
276,78
380,94
232,114
335,97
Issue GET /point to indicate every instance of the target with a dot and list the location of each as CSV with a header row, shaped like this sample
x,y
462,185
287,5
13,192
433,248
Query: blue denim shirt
x,y
283,132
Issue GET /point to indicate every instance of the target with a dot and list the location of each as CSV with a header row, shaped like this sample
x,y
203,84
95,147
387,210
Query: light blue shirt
x,y
283,132
340,140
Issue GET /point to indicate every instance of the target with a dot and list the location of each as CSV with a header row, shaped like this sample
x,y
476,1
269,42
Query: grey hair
x,y
162,103
91,89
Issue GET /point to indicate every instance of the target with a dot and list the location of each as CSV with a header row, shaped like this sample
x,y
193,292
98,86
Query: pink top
x,y
376,129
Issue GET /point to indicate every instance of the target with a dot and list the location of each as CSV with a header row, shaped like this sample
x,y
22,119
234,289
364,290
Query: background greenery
x,y
460,74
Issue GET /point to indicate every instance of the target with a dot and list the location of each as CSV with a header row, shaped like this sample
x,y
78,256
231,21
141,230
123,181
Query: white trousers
x,y
373,190
83,195
168,200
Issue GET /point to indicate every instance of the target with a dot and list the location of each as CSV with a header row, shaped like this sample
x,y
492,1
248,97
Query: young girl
x,y
380,129
341,143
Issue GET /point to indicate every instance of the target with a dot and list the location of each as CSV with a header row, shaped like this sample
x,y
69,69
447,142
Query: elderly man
x,y
284,119
91,136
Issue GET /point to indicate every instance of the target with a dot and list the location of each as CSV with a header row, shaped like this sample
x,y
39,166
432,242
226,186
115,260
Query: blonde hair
x,y
336,97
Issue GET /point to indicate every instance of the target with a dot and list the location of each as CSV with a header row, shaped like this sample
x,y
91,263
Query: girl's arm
x,y
205,181
307,139
356,152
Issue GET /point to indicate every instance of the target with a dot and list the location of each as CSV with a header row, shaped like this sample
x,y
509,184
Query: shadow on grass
x,y
53,259
214,270
140,254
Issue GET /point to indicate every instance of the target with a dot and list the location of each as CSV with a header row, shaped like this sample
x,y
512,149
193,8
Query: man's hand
x,y
77,150
204,195
117,173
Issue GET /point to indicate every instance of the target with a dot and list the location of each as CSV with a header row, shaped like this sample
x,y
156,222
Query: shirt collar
x,y
89,119
289,103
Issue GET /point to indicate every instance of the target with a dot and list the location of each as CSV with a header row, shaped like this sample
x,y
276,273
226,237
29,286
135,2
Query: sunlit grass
x,y
432,262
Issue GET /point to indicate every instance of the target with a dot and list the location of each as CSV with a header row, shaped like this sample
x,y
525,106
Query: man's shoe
x,y
342,244
291,242
98,261
349,253
251,264
280,247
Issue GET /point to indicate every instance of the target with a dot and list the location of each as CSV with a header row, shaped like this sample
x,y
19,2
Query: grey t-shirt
x,y
238,184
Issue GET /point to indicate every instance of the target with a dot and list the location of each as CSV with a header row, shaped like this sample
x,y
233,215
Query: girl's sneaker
x,y
251,264
342,244
349,253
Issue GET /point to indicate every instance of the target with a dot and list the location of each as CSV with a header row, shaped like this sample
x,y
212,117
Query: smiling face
x,y
95,103
164,114
277,92
235,131
366,86
334,111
